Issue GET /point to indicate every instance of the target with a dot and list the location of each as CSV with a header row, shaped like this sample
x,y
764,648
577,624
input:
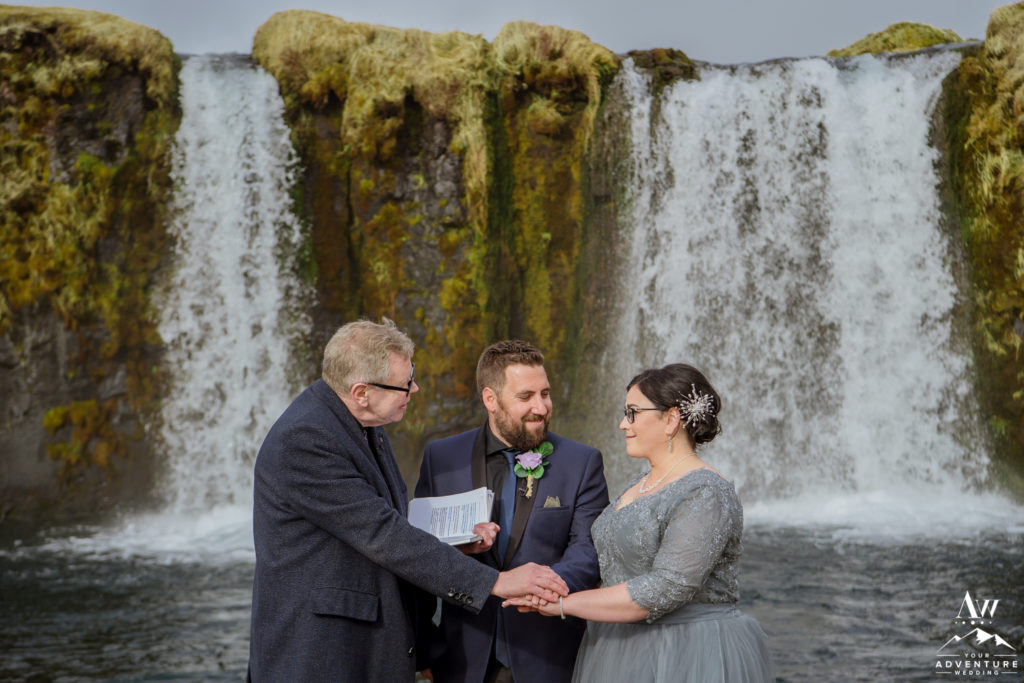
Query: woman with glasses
x,y
668,546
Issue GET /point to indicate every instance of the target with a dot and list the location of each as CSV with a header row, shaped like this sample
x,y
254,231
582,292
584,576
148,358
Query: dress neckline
x,y
637,497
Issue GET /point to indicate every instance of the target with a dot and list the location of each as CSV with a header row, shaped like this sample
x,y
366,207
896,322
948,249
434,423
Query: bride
x,y
668,548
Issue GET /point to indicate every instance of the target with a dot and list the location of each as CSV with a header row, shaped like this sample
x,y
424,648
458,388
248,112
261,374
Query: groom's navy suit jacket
x,y
338,568
552,527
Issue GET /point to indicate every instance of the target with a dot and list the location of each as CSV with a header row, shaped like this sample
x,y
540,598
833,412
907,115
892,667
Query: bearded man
x,y
548,490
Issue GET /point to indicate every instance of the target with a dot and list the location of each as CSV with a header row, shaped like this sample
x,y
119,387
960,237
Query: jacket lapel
x,y
389,468
478,474
359,441
478,461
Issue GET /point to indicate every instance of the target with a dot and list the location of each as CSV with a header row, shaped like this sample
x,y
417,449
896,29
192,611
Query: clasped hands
x,y
529,587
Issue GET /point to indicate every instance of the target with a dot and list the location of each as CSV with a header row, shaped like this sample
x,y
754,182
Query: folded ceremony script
x,y
452,518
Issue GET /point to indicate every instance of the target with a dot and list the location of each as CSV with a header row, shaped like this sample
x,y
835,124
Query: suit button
x,y
469,600
451,594
411,650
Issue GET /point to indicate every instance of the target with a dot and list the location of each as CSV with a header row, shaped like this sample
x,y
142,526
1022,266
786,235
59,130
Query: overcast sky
x,y
721,31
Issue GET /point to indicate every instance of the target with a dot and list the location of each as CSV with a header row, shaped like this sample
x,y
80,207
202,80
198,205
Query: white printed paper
x,y
452,518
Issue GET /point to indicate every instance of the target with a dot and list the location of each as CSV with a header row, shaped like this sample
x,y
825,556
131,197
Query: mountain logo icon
x,y
975,638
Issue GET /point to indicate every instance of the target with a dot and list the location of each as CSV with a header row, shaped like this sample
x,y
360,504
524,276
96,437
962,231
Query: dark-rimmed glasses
x,y
406,389
631,411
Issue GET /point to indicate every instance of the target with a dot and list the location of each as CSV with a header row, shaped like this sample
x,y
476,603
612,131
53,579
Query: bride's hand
x,y
533,603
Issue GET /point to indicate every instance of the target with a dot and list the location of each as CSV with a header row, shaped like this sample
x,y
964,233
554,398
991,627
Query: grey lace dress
x,y
676,549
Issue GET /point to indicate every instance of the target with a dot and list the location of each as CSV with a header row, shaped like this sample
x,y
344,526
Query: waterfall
x,y
233,318
787,238
231,310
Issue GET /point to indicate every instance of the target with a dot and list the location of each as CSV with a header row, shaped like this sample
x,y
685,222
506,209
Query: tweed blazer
x,y
339,570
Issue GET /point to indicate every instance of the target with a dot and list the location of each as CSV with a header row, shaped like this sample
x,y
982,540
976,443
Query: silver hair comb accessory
x,y
696,406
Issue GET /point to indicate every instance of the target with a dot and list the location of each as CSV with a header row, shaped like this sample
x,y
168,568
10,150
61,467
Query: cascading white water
x,y
788,240
231,311
233,316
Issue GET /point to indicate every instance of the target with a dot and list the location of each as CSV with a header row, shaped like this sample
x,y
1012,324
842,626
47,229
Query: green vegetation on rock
x,y
88,107
985,115
443,183
905,36
665,65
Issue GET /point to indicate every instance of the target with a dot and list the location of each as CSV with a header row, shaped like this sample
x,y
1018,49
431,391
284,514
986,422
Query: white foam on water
x,y
220,535
901,515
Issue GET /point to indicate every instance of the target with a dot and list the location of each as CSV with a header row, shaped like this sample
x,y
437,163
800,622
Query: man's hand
x,y
489,531
530,579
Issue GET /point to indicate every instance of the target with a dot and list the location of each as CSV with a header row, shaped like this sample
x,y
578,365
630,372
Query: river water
x,y
127,604
786,236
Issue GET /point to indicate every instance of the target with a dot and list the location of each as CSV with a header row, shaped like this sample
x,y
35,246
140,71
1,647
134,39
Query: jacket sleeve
x,y
328,481
578,566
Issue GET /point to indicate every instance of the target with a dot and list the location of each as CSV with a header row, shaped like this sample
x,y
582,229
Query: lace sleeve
x,y
691,546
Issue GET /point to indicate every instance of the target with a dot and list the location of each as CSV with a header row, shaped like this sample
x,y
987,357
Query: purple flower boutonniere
x,y
531,464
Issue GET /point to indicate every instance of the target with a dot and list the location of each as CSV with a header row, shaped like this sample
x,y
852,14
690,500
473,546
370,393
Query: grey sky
x,y
722,31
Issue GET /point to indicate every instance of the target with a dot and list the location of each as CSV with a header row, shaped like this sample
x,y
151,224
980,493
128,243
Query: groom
x,y
546,521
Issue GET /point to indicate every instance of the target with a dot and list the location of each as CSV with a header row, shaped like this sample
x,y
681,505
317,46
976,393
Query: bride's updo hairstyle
x,y
685,388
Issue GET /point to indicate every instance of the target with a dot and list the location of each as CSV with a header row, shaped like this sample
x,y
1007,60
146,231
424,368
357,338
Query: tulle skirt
x,y
694,644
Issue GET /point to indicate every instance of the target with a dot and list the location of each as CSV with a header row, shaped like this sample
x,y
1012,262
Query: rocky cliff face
x,y
984,110
88,110
446,185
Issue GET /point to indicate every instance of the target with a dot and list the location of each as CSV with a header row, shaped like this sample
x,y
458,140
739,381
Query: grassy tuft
x,y
901,37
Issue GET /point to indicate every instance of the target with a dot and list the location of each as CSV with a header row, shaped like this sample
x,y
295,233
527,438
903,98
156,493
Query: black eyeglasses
x,y
407,389
630,413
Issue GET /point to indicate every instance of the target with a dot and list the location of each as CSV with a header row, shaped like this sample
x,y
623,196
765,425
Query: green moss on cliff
x,y
81,232
357,97
985,111
665,65
361,101
901,37
550,92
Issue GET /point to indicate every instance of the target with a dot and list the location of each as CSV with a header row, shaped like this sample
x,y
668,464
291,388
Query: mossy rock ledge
x,y
88,108
904,36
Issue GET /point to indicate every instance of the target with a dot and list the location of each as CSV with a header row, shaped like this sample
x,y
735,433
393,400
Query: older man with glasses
x,y
340,573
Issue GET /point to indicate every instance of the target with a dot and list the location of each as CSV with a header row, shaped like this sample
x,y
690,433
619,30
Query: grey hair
x,y
361,351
